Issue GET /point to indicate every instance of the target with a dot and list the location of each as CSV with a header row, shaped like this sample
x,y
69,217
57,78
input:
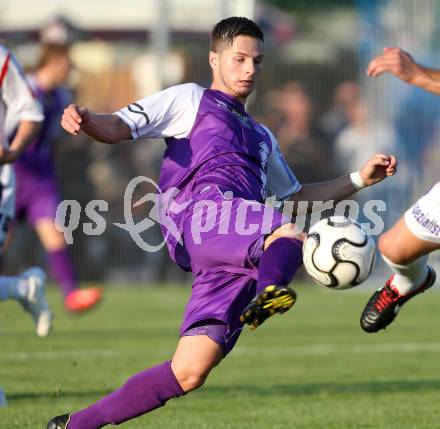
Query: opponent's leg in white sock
x,y
408,277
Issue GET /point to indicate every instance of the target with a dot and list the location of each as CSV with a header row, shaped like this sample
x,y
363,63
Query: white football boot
x,y
35,302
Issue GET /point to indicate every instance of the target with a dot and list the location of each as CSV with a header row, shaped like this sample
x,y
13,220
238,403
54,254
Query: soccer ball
x,y
337,253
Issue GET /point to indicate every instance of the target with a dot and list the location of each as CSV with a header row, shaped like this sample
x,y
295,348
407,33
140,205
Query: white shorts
x,y
7,201
423,218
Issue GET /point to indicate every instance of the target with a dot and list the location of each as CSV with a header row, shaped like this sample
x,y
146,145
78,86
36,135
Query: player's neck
x,y
225,90
44,80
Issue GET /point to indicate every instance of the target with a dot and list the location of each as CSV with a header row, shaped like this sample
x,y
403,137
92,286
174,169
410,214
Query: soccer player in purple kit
x,y
37,191
216,153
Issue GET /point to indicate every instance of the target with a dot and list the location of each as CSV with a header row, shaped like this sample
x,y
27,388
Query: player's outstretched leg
x,y
28,288
276,269
194,358
141,393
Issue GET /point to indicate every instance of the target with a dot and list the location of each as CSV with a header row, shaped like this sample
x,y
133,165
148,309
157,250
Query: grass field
x,y
312,368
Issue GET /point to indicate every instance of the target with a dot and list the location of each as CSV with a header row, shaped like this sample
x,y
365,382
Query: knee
x,y
288,230
392,251
190,378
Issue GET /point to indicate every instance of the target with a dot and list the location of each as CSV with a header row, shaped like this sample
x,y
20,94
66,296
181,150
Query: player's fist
x,y
74,118
397,62
377,168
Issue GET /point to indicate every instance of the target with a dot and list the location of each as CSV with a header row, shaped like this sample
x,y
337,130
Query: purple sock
x,y
279,263
144,392
61,268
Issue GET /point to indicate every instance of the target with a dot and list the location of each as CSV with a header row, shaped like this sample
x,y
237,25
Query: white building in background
x,y
181,15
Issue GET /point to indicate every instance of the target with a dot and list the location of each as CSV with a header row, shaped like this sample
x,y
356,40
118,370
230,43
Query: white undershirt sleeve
x,y
168,113
281,182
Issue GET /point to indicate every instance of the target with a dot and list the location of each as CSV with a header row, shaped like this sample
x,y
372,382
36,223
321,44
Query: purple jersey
x,y
37,159
211,140
225,147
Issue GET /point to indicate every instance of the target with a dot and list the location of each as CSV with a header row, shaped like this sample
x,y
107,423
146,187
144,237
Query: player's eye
x,y
239,59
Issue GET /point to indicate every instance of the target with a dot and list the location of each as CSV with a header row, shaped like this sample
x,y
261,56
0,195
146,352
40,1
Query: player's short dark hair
x,y
228,29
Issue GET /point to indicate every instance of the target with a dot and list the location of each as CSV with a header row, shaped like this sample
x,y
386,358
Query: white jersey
x,y
423,218
17,103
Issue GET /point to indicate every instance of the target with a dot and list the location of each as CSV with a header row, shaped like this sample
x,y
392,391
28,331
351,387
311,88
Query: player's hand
x,y
74,118
377,168
7,156
397,62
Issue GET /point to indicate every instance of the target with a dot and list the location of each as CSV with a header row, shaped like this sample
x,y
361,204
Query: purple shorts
x,y
36,200
224,255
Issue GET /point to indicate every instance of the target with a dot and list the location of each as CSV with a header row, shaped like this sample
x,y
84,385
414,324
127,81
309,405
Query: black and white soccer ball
x,y
338,253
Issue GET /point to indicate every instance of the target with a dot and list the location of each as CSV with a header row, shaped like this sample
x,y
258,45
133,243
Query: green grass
x,y
312,368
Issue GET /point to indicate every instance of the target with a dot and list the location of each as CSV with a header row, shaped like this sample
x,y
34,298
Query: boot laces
x,y
386,297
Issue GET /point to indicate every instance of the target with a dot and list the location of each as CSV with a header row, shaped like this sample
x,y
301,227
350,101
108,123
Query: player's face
x,y
61,67
236,67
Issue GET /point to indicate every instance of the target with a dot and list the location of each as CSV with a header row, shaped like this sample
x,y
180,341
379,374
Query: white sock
x,y
15,287
408,277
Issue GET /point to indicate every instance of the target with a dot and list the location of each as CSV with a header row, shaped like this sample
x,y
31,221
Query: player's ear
x,y
213,60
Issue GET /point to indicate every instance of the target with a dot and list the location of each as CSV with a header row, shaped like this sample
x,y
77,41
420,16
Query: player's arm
x,y
103,127
26,132
168,113
402,65
282,183
375,170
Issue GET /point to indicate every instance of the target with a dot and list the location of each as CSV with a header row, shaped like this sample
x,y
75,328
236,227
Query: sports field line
x,y
306,350
330,349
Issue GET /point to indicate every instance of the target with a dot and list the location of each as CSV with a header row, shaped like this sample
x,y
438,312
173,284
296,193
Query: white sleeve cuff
x,y
357,180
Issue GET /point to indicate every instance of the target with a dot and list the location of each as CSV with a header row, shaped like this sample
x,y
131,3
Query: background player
x,y
405,247
217,157
18,108
37,190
